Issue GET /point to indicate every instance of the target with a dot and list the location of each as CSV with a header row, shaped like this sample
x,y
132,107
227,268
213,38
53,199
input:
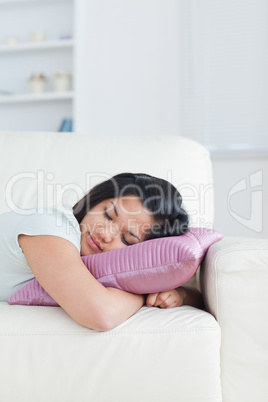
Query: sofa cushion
x,y
155,355
151,266
65,166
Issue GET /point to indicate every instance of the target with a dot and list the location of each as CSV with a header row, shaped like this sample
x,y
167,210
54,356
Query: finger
x,y
151,299
162,299
166,302
172,305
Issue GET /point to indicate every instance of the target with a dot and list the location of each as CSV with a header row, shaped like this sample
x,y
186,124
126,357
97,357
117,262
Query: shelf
x,y
16,2
45,96
55,18
26,46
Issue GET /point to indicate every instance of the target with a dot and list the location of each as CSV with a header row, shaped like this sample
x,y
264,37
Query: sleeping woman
x,y
122,211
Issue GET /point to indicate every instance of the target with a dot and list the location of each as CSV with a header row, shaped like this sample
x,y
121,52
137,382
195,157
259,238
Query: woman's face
x,y
114,223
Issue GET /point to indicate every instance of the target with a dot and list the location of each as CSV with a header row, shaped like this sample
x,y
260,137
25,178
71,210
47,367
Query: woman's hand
x,y
168,299
176,297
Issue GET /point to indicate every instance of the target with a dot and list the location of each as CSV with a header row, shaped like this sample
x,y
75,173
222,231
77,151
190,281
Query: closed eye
x,y
107,216
125,242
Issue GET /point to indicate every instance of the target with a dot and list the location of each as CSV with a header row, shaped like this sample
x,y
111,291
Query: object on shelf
x,y
66,125
37,37
37,83
12,41
4,92
62,81
65,37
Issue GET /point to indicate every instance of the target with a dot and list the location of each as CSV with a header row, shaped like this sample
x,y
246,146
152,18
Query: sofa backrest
x,y
44,168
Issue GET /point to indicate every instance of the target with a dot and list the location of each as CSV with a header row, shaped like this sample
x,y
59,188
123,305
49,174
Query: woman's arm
x,y
184,295
56,264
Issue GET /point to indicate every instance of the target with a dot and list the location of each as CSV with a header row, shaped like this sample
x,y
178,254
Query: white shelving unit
x,y
12,2
29,46
19,108
45,96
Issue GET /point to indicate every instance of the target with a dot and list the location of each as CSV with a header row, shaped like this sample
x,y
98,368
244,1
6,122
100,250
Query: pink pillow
x,y
151,266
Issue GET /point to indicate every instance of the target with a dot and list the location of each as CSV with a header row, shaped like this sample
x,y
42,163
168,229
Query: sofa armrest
x,y
234,284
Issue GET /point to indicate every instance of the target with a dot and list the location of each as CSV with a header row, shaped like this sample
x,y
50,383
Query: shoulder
x,y
54,221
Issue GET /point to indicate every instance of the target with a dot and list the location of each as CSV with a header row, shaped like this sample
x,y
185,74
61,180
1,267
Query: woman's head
x,y
129,204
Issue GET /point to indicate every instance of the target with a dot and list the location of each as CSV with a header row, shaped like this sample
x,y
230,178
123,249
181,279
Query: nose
x,y
108,233
105,236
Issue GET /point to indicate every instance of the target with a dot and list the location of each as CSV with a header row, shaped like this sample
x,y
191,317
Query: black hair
x,y
159,196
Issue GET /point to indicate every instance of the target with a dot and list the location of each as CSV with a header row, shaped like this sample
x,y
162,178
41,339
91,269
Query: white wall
x,y
189,67
224,78
161,67
241,194
224,87
127,67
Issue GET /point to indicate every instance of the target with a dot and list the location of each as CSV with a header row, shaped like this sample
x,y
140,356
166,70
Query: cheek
x,y
85,224
83,229
117,243
91,224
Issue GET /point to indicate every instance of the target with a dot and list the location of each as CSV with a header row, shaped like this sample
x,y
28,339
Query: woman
x,y
127,209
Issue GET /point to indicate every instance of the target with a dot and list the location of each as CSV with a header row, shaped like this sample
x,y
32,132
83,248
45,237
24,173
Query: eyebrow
x,y
116,213
115,210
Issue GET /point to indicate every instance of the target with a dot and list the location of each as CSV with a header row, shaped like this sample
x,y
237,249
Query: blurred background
x,y
147,67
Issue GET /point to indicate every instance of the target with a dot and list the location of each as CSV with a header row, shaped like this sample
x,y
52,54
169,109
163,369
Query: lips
x,y
94,243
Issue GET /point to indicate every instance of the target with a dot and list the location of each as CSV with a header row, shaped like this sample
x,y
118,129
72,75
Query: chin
x,y
85,250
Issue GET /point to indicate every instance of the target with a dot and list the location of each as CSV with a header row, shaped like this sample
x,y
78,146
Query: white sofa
x,y
181,354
